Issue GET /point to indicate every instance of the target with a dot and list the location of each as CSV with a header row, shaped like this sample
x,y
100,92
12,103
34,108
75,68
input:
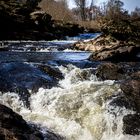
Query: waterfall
x,y
78,109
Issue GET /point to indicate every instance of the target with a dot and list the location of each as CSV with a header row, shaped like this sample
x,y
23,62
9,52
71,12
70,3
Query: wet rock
x,y
53,72
12,126
135,75
21,77
52,136
131,88
110,71
124,101
131,124
96,44
25,75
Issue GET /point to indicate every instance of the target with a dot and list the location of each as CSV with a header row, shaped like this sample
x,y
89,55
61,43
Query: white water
x,y
78,110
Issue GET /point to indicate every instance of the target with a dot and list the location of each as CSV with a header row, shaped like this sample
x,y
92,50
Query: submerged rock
x,y
25,75
131,124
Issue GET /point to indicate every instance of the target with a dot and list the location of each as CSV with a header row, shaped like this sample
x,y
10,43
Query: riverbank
x,y
108,48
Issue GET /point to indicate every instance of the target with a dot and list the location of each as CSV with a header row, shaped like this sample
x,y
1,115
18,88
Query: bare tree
x,y
114,8
81,4
136,13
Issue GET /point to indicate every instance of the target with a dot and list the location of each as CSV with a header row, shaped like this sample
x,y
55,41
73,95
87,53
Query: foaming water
x,y
79,109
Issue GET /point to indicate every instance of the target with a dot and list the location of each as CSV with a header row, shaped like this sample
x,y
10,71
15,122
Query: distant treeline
x,y
48,19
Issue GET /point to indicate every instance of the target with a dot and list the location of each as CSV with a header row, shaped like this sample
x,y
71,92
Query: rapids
x,y
79,108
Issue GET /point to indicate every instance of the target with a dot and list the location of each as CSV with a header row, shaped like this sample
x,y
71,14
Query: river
x,y
79,108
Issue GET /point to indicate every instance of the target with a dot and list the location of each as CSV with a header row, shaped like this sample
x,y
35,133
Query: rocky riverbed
x,y
107,48
62,94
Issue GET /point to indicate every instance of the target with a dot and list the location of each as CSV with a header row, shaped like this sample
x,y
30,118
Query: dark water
x,y
55,87
50,52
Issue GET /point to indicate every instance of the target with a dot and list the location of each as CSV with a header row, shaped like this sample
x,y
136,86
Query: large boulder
x,y
118,71
110,71
131,124
14,127
107,48
117,53
131,88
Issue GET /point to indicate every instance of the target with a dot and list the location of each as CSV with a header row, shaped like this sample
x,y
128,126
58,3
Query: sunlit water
x,y
79,109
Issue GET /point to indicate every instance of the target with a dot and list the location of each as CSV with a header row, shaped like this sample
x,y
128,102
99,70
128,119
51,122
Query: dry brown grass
x,y
57,10
92,25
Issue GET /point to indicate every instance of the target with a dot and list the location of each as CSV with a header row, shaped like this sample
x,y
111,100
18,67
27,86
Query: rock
x,y
131,88
108,48
12,126
118,53
131,124
63,29
20,78
124,101
25,75
53,72
135,75
110,71
96,44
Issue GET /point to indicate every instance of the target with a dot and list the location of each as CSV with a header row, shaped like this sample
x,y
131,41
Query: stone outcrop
x,y
120,52
110,71
14,127
118,71
131,88
131,124
107,48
